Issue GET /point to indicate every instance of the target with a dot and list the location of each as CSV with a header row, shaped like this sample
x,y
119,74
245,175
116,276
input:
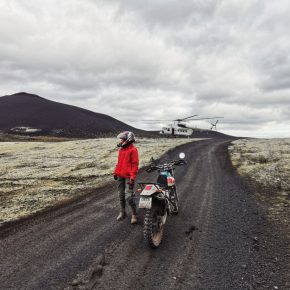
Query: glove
x,y
131,184
116,177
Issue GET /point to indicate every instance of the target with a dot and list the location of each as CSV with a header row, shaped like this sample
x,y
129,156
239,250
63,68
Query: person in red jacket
x,y
125,173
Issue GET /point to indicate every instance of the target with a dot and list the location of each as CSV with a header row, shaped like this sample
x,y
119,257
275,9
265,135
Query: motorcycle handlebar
x,y
161,166
180,162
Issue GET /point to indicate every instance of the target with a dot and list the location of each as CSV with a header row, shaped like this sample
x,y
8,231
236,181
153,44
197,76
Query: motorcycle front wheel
x,y
174,208
153,228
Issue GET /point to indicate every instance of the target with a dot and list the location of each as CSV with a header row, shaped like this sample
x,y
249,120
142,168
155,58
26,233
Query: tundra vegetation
x,y
266,163
36,175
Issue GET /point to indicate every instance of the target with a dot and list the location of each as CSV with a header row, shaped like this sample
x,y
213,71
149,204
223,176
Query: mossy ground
x,y
35,175
266,163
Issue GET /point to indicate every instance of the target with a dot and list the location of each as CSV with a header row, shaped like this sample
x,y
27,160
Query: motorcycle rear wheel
x,y
153,228
175,208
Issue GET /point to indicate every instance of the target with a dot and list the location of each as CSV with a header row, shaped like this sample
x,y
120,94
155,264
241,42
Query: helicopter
x,y
179,127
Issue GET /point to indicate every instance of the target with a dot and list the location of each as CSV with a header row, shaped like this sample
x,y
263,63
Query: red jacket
x,y
128,161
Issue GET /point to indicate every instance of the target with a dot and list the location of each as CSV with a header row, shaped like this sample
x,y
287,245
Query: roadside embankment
x,y
266,164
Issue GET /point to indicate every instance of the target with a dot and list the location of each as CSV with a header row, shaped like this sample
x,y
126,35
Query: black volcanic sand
x,y
221,239
57,119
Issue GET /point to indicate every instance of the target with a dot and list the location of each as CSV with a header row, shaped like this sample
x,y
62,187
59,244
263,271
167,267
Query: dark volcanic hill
x,y
24,113
29,114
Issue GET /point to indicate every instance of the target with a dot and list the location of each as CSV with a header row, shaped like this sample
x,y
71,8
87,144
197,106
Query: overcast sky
x,y
155,59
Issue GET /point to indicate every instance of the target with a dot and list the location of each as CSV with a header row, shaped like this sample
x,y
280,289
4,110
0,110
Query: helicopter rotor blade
x,y
156,120
204,119
179,120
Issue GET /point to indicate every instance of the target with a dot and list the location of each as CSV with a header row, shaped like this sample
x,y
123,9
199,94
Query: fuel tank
x,y
165,179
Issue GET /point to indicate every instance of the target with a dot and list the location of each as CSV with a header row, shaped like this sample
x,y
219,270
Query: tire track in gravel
x,y
81,246
145,263
53,245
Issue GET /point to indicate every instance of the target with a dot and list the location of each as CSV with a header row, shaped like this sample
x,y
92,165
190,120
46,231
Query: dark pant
x,y
123,189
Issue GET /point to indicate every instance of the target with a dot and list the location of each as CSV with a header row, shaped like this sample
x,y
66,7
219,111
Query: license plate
x,y
145,202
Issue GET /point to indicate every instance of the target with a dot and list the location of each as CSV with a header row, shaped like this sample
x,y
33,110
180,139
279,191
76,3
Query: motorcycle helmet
x,y
127,138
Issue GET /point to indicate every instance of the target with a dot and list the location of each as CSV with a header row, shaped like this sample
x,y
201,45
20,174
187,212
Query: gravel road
x,y
221,239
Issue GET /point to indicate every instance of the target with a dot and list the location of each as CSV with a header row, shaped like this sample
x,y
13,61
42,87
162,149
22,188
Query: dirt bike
x,y
159,200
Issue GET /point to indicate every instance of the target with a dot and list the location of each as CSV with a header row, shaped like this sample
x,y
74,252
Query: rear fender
x,y
149,190
159,204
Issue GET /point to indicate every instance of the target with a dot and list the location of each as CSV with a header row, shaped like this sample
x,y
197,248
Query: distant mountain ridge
x,y
29,113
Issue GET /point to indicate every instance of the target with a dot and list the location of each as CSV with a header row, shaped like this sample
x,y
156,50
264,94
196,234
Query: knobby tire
x,y
152,238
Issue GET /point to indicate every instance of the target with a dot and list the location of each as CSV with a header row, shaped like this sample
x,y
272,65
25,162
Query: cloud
x,y
154,59
167,13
